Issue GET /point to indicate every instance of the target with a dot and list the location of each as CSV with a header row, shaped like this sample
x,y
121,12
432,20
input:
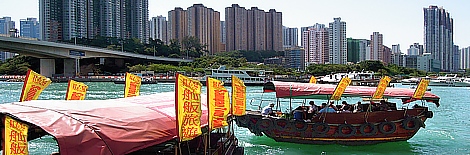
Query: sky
x,y
400,21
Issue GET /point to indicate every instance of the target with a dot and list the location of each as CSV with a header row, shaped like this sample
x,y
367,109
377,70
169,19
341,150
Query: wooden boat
x,y
136,125
357,128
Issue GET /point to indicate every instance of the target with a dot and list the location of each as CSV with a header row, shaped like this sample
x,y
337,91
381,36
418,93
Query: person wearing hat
x,y
268,110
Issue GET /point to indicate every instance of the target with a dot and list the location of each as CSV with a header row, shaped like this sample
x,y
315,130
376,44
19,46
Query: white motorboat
x,y
447,80
463,82
410,81
367,78
250,77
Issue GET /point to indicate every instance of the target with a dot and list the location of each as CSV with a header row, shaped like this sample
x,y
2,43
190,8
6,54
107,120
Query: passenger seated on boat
x,y
268,110
383,106
358,107
327,109
312,108
333,106
298,113
345,106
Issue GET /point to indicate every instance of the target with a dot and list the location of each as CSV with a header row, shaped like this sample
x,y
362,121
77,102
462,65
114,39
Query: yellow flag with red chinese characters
x,y
219,103
34,84
340,88
379,92
76,90
421,89
132,87
188,109
16,137
238,96
313,80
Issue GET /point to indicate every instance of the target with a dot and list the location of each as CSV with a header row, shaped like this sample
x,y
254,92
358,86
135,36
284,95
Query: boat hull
x,y
340,128
461,84
230,84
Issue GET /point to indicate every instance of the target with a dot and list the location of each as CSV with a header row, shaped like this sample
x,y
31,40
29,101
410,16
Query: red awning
x,y
324,91
101,126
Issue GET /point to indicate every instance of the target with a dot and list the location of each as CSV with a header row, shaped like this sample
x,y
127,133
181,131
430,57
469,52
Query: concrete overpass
x,y
48,51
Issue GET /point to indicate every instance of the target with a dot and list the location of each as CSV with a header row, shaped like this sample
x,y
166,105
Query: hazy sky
x,y
400,21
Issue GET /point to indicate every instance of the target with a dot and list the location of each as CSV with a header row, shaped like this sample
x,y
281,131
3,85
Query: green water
x,y
445,133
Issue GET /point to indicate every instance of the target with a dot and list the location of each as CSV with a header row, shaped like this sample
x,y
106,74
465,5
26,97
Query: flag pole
x,y
209,123
176,115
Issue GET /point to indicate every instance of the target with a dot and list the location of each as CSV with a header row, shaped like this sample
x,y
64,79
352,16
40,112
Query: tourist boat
x,y
463,82
137,125
447,80
367,78
249,77
145,80
358,128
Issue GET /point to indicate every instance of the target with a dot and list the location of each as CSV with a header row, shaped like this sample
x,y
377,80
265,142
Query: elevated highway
x,y
48,51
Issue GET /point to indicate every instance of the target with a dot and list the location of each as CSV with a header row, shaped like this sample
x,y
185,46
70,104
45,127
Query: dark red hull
x,y
340,128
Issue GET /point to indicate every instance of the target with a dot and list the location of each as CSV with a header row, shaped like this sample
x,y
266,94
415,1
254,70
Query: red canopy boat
x,y
115,126
369,126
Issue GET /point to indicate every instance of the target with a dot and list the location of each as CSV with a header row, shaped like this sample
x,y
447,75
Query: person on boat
x,y
358,107
383,106
328,109
268,110
345,106
298,113
312,108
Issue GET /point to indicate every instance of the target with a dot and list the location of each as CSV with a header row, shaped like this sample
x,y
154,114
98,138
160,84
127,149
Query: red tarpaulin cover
x,y
288,89
100,126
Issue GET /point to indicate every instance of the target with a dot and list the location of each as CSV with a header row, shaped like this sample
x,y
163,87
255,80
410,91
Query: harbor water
x,y
445,133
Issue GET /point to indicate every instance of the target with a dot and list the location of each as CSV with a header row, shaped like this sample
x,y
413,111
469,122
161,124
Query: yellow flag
x,y
16,137
421,89
313,79
341,88
76,90
132,87
238,96
188,109
34,84
379,92
219,103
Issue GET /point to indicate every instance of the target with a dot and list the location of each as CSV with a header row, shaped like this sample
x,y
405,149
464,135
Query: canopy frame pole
x,y
290,98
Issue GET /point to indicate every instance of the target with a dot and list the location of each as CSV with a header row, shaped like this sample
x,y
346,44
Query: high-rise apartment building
x,y
62,20
396,55
316,45
364,49
337,42
353,50
137,18
290,37
256,28
295,58
419,47
438,36
376,46
29,28
252,29
109,18
158,29
455,59
223,33
6,24
198,21
387,55
465,58
413,51
302,29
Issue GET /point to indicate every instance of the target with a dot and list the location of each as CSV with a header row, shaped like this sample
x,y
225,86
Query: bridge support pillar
x,y
69,67
47,67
